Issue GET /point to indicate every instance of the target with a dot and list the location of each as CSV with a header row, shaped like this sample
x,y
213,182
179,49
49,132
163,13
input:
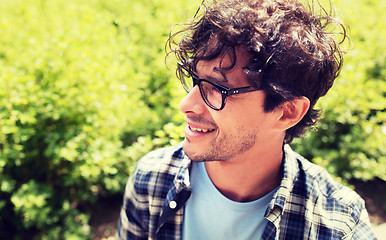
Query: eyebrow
x,y
221,81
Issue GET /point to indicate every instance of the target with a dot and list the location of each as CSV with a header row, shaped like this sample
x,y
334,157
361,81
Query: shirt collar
x,y
182,178
290,170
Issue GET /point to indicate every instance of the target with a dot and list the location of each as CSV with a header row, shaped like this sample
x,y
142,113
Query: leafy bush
x,y
350,140
83,92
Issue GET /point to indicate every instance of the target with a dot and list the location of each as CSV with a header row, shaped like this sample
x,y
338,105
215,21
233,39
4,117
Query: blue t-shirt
x,y
210,215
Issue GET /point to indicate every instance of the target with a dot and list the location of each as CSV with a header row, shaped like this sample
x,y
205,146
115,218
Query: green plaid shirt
x,y
308,204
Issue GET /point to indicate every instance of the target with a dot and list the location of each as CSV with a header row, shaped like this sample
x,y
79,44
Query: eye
x,y
215,90
210,89
214,95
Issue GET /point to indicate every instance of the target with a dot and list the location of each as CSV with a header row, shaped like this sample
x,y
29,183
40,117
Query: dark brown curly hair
x,y
294,50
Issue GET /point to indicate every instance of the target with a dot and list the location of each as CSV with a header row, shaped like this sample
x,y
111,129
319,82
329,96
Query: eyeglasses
x,y
214,95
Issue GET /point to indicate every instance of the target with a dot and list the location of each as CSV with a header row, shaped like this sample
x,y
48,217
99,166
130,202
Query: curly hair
x,y
294,51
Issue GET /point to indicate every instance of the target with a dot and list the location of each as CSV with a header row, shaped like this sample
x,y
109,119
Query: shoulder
x,y
315,180
157,170
166,159
329,206
146,191
321,184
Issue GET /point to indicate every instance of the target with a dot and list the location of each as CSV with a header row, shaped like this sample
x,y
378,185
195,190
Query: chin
x,y
199,156
190,151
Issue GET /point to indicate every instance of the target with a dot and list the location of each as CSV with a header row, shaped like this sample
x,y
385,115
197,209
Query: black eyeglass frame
x,y
225,91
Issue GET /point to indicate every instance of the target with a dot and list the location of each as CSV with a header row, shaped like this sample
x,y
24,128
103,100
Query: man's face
x,y
239,130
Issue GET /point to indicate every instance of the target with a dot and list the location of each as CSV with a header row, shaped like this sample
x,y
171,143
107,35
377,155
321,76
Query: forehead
x,y
227,66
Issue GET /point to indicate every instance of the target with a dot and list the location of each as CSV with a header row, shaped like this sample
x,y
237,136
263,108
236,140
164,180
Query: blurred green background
x,y
84,93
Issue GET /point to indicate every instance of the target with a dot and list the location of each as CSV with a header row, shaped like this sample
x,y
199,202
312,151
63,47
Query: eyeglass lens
x,y
210,93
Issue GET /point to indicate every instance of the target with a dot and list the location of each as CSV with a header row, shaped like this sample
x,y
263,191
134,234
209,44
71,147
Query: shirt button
x,y
173,204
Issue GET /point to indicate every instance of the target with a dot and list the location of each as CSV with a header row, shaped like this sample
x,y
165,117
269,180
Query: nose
x,y
193,102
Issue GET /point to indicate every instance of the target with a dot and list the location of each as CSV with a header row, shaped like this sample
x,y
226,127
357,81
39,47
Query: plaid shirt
x,y
308,204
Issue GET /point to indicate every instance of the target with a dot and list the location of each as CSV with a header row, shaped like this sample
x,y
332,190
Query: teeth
x,y
200,130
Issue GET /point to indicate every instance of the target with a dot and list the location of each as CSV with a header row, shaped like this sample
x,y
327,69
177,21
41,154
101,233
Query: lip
x,y
199,123
192,127
192,135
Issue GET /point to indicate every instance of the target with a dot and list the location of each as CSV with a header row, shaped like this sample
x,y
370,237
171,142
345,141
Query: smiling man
x,y
253,71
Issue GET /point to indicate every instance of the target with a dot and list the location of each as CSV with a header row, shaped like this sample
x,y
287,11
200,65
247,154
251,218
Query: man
x,y
253,70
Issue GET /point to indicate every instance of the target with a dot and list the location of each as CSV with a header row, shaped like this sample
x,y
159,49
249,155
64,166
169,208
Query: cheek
x,y
247,113
230,121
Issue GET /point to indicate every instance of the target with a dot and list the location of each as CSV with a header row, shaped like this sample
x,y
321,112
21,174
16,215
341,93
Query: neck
x,y
247,177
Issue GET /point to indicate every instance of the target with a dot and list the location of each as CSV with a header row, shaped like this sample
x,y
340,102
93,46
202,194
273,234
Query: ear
x,y
292,112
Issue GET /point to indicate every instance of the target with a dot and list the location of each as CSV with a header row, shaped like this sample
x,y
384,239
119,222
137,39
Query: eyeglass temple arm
x,y
234,91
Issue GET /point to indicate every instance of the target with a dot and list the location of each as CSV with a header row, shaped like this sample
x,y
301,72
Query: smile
x,y
200,130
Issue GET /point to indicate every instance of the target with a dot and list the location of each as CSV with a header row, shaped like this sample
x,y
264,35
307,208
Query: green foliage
x,y
350,140
83,93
